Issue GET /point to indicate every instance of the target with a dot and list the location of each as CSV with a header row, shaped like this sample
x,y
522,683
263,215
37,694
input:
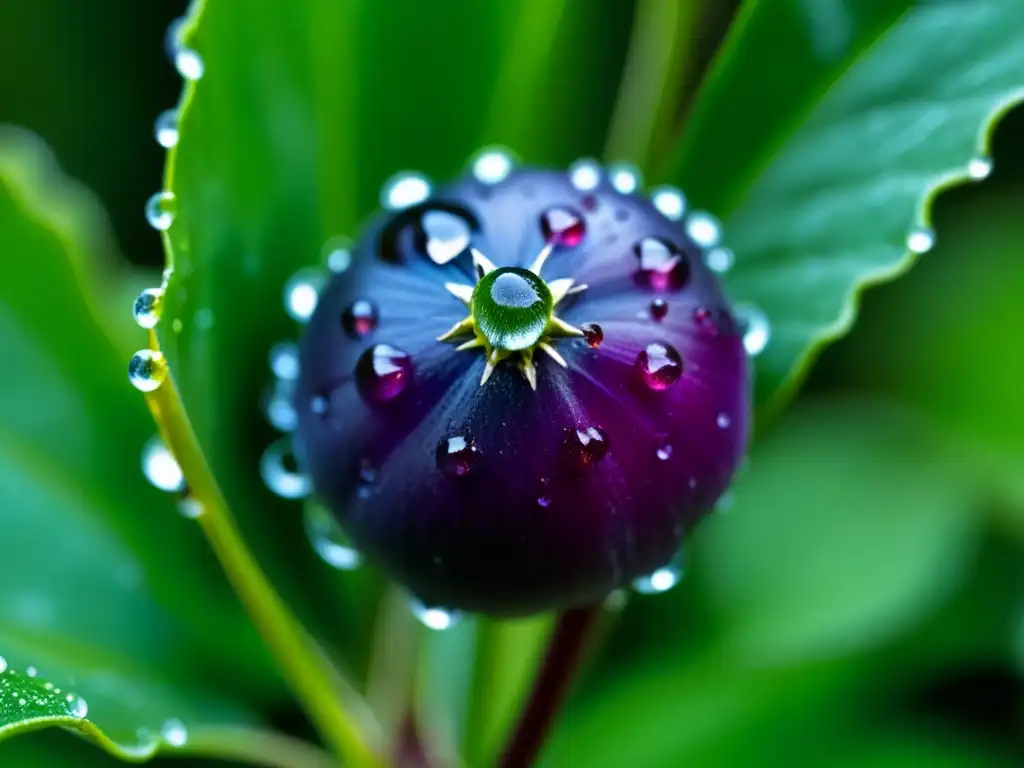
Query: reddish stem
x,y
562,660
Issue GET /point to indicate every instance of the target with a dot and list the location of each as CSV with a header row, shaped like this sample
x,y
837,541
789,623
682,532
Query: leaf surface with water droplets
x,y
821,136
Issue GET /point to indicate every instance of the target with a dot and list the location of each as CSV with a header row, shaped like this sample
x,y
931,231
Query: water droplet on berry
x,y
583,447
664,450
723,421
562,226
147,370
301,294
660,365
360,318
544,501
585,175
445,235
921,240
705,320
662,267
284,360
367,478
174,733
437,619
404,190
160,211
592,334
662,579
979,168
280,471
720,260
658,309
337,254
703,229
669,202
160,467
146,308
492,166
166,129
383,373
624,178
328,540
756,329
457,456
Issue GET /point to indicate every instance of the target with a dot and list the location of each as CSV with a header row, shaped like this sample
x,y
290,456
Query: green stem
x,y
258,748
306,670
652,79
392,674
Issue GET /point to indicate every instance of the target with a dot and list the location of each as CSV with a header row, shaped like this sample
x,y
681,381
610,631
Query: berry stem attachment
x,y
307,671
566,650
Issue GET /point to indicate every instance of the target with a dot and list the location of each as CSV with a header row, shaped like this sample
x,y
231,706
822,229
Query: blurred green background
x,y
869,609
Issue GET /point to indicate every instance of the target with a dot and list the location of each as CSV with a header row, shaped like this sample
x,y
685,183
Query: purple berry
x,y
512,401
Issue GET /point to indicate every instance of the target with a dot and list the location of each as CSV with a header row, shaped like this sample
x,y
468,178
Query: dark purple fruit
x,y
514,400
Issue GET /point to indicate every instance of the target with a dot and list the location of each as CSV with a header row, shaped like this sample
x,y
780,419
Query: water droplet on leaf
x,y
160,211
146,308
147,370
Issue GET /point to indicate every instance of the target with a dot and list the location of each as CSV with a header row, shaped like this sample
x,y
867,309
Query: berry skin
x,y
509,441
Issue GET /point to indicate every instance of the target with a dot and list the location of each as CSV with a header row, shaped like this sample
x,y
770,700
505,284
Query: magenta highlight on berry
x,y
512,398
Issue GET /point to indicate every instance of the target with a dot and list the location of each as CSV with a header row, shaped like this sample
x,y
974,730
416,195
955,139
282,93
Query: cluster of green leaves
x,y
819,136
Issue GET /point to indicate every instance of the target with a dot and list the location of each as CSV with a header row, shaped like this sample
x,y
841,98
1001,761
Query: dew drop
x,y
189,64
360,318
661,266
445,235
658,309
492,166
562,227
705,320
593,334
457,456
160,211
284,360
624,178
3,665
166,129
669,202
756,329
301,294
160,467
146,307
585,175
190,507
404,190
921,240
720,260
437,619
723,421
280,472
367,478
660,365
337,254
174,733
583,447
703,229
383,373
172,38
22,702
277,406
147,370
662,579
979,168
544,501
31,671
79,707
328,540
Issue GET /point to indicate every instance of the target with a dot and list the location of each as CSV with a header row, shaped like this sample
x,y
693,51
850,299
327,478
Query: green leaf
x,y
852,524
103,587
821,136
302,113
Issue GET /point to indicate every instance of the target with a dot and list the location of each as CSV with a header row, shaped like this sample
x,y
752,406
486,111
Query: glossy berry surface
x,y
514,399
